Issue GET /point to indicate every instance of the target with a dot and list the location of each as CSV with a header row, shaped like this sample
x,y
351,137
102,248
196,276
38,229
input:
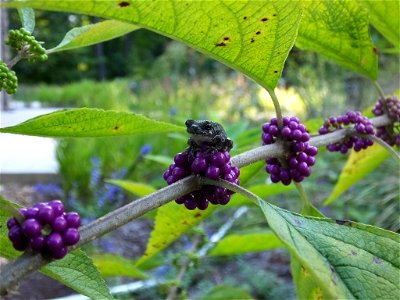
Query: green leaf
x,y
384,16
116,265
357,166
77,271
248,172
253,37
27,17
92,34
223,292
6,248
138,188
263,191
241,243
340,31
161,159
90,122
346,260
172,220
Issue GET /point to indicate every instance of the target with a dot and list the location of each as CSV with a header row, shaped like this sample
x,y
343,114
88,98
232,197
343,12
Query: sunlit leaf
x,y
358,165
90,122
253,37
6,248
116,265
263,191
241,243
161,159
92,34
339,30
138,188
384,16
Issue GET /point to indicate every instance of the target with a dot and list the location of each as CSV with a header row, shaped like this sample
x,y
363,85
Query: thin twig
x,y
277,107
27,263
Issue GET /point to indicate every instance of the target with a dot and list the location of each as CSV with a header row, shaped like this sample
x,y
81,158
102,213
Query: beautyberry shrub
x,y
360,123
390,133
298,156
46,229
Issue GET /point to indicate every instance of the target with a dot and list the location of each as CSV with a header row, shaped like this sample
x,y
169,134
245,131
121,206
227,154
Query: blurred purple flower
x,y
146,149
49,189
173,111
95,173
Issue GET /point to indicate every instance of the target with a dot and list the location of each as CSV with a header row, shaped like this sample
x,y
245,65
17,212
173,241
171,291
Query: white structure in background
x,y
22,154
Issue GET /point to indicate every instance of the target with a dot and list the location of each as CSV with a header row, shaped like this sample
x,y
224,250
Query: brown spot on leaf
x,y
258,32
274,15
227,38
245,18
354,253
123,4
344,222
198,215
116,127
374,50
275,71
222,44
252,40
185,222
264,19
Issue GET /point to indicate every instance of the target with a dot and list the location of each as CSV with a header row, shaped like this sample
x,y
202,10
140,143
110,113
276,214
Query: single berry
x,y
59,252
59,224
54,241
31,228
38,243
71,236
57,206
73,219
45,214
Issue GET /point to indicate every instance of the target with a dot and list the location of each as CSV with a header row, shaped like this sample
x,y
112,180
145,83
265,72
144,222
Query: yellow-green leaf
x,y
116,265
138,188
263,191
384,16
171,221
90,122
357,166
92,34
241,243
340,30
253,37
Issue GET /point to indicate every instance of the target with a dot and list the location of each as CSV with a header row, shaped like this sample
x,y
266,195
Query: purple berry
x,y
12,222
58,207
54,241
15,234
59,224
20,245
73,219
38,243
45,214
190,204
181,159
59,252
71,236
31,228
218,159
31,212
199,165
213,172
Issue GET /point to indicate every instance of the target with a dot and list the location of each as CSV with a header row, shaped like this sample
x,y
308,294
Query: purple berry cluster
x,y
390,134
46,229
361,124
211,164
300,156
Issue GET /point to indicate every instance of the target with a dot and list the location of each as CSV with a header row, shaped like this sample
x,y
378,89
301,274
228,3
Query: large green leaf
x,y
384,16
77,271
92,34
358,165
346,260
116,265
339,30
171,221
90,122
241,243
253,37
